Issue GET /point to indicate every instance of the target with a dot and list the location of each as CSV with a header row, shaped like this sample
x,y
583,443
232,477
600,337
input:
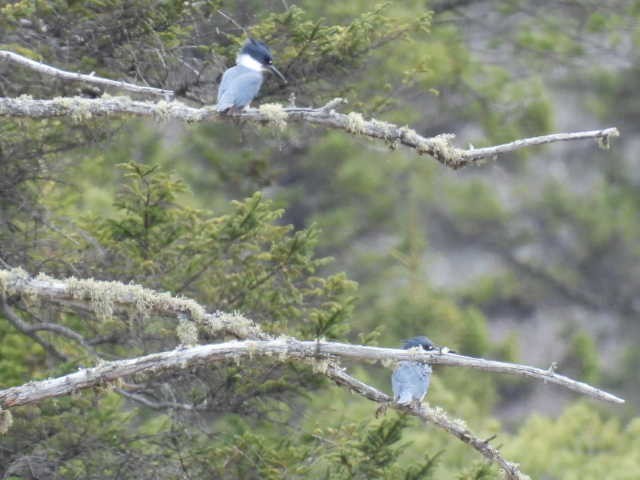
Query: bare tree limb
x,y
436,416
22,326
79,77
322,355
283,349
439,147
104,296
156,405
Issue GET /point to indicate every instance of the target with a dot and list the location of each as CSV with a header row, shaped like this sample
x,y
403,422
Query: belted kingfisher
x,y
410,380
240,84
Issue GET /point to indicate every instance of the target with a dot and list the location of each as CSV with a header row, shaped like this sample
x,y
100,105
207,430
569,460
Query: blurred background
x,y
315,233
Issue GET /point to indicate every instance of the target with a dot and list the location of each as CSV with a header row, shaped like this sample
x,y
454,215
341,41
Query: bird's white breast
x,y
249,62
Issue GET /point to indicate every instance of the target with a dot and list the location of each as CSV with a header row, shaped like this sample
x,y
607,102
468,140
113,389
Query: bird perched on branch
x,y
410,380
240,84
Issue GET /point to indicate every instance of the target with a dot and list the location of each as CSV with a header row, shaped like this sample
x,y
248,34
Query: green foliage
x,y
20,358
581,443
243,220
582,355
371,450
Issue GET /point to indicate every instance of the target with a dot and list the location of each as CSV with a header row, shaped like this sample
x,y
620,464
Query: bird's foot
x,y
382,409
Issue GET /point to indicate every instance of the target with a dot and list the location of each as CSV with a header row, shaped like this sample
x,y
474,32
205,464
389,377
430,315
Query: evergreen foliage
x,y
319,234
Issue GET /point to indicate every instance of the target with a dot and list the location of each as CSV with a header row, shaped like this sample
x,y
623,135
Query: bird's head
x,y
422,342
257,56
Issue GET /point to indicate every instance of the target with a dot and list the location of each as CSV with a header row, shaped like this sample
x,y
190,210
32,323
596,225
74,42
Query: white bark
x,y
108,295
439,147
79,77
87,294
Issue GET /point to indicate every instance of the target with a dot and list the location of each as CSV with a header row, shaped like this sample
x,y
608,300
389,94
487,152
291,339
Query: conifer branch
x,y
79,77
439,147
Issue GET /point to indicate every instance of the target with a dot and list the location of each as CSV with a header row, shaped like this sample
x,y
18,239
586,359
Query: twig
x,y
65,75
439,147
147,402
230,18
25,328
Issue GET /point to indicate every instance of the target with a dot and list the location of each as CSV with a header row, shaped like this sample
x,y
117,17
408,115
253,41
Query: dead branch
x,y
282,349
79,77
90,293
436,416
22,326
439,147
102,297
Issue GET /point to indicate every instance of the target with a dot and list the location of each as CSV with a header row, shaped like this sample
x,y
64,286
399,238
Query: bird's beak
x,y
277,72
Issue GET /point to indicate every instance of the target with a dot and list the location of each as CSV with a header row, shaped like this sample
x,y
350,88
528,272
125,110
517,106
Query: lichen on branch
x,y
439,147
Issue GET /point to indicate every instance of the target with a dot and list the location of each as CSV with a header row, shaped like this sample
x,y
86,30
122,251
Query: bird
x,y
240,84
410,380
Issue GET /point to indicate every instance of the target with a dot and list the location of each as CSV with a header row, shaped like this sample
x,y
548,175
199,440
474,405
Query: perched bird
x,y
240,84
410,380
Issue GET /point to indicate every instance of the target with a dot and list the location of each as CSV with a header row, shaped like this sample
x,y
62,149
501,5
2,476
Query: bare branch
x,y
283,349
230,18
107,298
79,77
436,416
321,355
147,402
25,328
439,147
108,295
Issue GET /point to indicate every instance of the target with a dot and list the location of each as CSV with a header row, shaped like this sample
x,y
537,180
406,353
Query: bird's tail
x,y
404,398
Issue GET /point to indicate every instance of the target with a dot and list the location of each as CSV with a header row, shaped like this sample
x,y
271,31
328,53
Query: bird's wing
x,y
238,87
410,378
224,83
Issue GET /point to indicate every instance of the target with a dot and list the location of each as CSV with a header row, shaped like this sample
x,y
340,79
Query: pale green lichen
x,y
440,147
604,141
162,110
320,365
101,294
439,414
388,362
251,348
275,114
6,420
236,358
104,295
187,332
79,108
10,278
233,322
355,123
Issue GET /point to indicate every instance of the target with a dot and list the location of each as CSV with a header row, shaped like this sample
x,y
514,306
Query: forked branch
x,y
108,296
101,297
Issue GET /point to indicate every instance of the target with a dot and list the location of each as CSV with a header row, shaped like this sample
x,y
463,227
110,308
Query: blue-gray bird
x,y
241,84
410,380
